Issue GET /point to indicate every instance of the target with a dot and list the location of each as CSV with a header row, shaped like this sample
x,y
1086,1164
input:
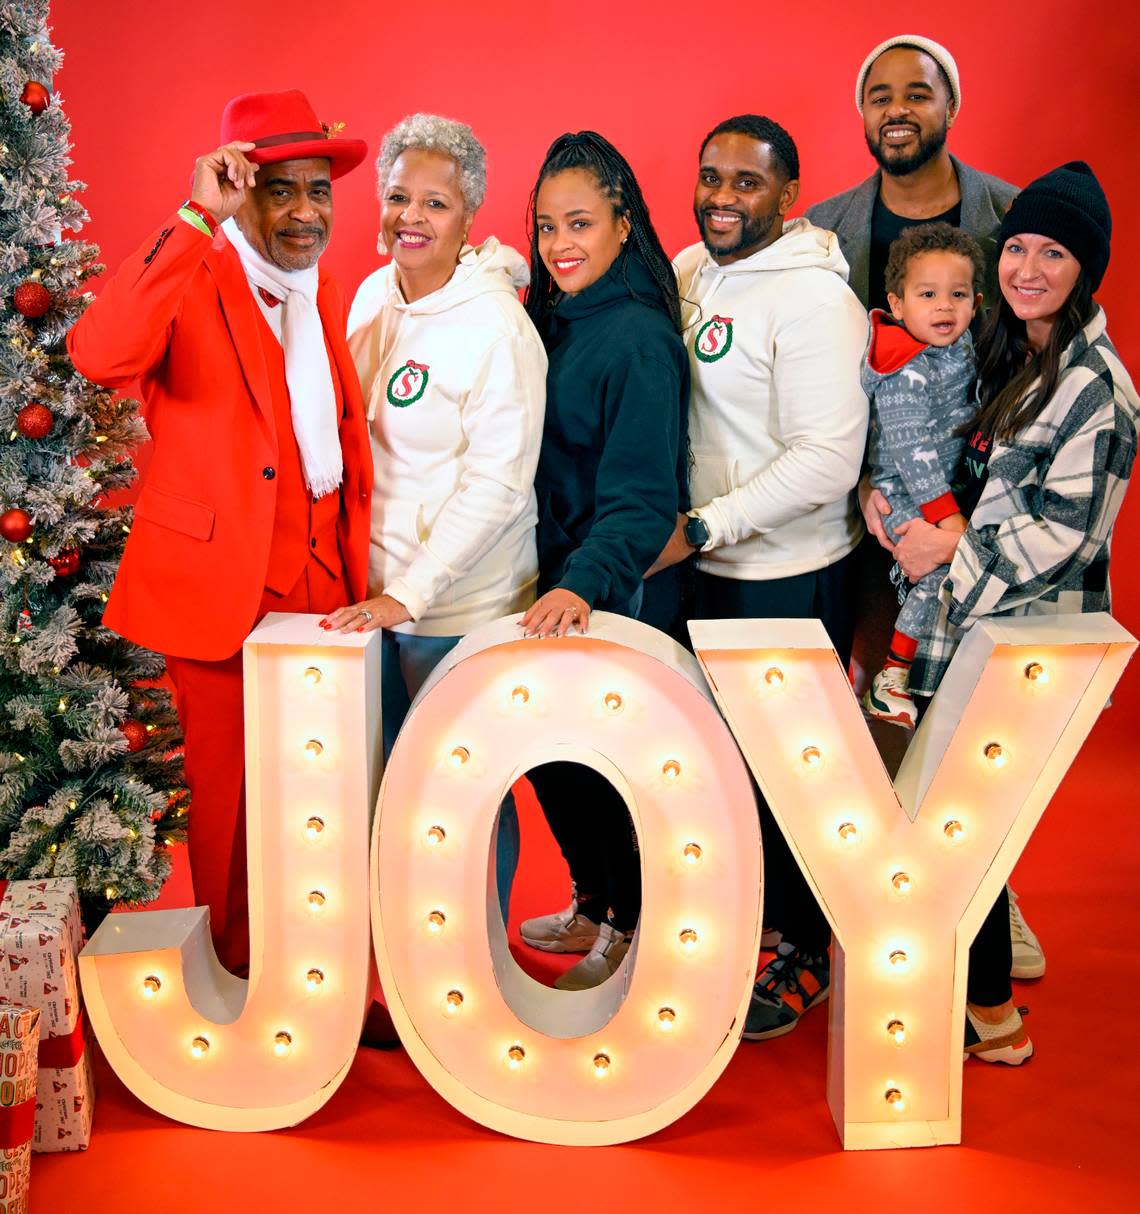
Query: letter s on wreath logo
x,y
714,339
408,384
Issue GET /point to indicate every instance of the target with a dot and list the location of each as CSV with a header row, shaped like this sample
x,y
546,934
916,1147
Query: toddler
x,y
918,373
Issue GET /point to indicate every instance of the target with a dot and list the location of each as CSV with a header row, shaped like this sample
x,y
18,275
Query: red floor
x,y
1054,1135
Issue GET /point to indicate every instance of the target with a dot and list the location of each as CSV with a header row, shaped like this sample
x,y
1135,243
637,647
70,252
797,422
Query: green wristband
x,y
194,220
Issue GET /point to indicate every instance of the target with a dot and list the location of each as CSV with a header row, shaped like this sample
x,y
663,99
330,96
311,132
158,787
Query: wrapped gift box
x,y
40,937
19,1037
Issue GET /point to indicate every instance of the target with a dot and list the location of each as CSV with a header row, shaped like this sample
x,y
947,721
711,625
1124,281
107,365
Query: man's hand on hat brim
x,y
221,179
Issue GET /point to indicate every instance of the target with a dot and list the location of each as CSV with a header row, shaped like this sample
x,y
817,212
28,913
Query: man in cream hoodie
x,y
777,426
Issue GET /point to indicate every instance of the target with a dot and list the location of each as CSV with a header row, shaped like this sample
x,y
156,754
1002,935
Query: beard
x,y
902,165
754,230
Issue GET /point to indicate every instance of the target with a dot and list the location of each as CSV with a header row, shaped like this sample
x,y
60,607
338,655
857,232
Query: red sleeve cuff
x,y
942,507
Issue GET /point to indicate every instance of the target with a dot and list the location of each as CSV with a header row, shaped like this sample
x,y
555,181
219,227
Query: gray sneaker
x,y
1028,955
564,932
600,963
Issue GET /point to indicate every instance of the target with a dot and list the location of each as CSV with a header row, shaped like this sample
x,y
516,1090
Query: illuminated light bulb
x,y
520,696
111,893
314,979
601,1065
316,899
459,756
62,704
452,1002
1036,673
688,939
671,769
312,676
435,921
953,829
812,756
435,836
774,676
282,1044
134,834
692,853
314,826
53,848
899,960
515,1056
199,1047
313,749
894,1098
848,832
995,754
897,1030
901,882
73,805
612,701
152,984
666,1018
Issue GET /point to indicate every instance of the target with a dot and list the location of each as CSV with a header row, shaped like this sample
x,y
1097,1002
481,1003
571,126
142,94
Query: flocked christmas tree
x,y
89,784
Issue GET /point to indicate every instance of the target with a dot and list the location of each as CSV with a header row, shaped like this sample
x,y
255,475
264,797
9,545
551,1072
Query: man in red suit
x,y
258,494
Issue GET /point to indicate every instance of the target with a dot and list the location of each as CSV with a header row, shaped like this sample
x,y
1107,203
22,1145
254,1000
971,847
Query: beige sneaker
x,y
600,963
1028,955
564,932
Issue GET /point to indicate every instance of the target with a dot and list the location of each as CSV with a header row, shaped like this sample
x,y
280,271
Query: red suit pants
x,y
211,710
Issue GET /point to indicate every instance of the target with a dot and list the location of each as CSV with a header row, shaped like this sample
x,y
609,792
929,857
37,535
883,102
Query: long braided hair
x,y
590,151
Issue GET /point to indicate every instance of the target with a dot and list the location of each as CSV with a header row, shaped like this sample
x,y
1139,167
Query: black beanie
x,y
1068,206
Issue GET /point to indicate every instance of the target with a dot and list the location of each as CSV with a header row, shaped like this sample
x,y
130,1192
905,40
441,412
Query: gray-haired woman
x,y
454,376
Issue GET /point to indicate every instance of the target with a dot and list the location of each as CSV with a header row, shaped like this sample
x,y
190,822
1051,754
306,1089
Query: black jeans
x,y
827,595
592,827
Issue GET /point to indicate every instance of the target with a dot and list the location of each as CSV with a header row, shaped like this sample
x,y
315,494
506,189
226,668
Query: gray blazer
x,y
985,200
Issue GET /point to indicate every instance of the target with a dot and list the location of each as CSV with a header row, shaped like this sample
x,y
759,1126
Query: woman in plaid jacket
x,y
1048,463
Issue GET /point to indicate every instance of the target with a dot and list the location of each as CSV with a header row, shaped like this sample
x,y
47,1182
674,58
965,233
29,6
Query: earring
x,y
624,239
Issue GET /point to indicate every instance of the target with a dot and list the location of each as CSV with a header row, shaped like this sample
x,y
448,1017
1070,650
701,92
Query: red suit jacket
x,y
179,317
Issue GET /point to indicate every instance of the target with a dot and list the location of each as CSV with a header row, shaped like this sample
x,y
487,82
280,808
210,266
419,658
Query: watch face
x,y
697,532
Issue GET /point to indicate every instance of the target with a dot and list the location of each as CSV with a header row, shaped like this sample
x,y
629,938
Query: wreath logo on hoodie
x,y
714,339
408,384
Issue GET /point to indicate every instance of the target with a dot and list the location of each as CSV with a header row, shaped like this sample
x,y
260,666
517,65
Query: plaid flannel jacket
x,y
1038,540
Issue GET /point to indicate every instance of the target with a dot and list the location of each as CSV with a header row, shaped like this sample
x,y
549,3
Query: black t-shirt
x,y
973,468
887,227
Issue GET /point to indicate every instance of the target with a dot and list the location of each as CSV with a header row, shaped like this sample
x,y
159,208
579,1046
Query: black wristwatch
x,y
696,532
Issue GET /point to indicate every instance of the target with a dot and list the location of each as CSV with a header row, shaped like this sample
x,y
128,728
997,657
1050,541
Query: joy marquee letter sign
x,y
905,873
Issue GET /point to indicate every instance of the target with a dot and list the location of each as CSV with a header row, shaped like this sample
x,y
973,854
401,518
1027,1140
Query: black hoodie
x,y
612,471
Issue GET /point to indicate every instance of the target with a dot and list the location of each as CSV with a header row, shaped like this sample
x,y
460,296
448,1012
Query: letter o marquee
x,y
517,1056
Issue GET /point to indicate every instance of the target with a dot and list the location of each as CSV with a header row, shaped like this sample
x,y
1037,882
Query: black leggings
x,y
592,827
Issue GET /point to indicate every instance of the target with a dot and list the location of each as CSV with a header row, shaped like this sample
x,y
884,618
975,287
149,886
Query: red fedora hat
x,y
284,126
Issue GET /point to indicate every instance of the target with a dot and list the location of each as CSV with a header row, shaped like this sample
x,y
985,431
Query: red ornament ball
x,y
15,525
32,299
66,563
135,733
34,421
36,97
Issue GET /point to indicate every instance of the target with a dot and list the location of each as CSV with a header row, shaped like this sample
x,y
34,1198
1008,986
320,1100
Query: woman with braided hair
x,y
611,479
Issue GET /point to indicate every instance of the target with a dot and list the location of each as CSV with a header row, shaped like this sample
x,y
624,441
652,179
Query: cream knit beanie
x,y
938,53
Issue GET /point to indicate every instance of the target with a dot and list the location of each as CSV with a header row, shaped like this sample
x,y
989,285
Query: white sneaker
x,y
600,963
563,932
889,697
1006,1042
1028,955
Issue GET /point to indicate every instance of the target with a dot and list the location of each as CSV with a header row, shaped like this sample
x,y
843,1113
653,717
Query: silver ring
x,y
366,613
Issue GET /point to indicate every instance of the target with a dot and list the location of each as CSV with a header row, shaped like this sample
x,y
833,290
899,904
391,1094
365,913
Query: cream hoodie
x,y
777,416
455,386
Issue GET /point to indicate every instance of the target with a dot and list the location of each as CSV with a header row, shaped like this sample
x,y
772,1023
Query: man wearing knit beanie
x,y
909,94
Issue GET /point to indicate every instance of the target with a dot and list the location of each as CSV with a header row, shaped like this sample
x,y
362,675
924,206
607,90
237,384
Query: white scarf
x,y
307,372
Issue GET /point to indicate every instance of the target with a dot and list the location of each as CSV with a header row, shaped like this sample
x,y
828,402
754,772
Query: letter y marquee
x,y
906,874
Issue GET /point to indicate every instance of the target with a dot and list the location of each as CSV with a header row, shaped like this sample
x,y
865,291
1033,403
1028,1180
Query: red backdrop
x,y
144,86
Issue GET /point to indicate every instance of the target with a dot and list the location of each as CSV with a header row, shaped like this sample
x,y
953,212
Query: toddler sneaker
x,y
563,932
889,698
600,963
1006,1042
